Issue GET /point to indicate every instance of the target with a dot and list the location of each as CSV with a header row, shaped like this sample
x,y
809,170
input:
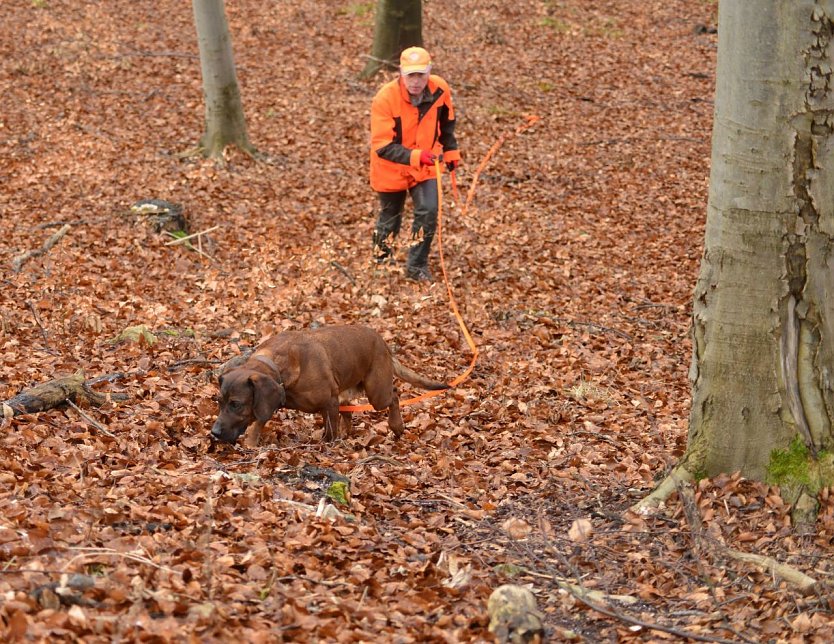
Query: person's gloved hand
x,y
427,158
451,166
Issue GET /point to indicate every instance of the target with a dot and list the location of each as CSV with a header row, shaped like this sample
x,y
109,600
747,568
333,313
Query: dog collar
x,y
269,363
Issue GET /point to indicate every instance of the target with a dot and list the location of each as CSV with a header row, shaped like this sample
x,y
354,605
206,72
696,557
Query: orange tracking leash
x,y
531,120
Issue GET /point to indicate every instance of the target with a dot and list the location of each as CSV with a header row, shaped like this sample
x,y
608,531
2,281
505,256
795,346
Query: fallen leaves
x,y
573,269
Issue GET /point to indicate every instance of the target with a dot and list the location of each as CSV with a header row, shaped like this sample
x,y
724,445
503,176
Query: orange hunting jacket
x,y
400,131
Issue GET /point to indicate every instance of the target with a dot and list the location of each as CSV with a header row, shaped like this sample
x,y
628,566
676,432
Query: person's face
x,y
416,83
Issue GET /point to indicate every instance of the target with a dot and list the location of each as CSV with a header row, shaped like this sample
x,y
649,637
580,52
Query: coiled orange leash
x,y
531,120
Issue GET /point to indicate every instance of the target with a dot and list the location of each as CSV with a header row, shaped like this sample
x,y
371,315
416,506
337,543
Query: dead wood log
x,y
56,392
18,262
513,615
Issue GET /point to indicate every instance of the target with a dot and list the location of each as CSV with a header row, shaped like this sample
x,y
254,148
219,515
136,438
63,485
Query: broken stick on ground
x,y
19,261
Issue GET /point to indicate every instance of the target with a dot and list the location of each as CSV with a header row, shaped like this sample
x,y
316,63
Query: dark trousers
x,y
424,197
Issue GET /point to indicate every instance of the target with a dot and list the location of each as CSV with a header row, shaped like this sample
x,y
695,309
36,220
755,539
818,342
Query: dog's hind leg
x,y
395,420
330,415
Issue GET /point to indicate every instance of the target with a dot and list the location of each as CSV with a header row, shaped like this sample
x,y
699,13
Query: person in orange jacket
x,y
412,124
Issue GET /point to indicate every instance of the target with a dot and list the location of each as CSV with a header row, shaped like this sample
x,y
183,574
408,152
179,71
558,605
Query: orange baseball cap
x,y
414,60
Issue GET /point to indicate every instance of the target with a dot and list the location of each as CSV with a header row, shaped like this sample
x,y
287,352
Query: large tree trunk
x,y
399,25
763,318
225,122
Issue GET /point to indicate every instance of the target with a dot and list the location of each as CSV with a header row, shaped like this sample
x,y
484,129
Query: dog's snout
x,y
217,430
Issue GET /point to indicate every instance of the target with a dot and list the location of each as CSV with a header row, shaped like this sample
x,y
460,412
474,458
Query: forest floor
x,y
573,267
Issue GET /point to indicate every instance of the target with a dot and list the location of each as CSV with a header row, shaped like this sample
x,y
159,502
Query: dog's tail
x,y
414,378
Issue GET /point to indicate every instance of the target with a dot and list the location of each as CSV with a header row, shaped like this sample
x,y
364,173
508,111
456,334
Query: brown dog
x,y
312,371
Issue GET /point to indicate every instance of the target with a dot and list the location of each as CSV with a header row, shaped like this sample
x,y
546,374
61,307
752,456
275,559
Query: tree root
x,y
796,578
676,482
653,501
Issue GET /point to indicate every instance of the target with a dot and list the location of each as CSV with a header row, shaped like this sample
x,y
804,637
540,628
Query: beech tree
x,y
398,25
225,122
762,370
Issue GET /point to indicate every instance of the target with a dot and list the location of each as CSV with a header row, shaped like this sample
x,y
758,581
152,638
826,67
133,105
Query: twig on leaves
x,y
153,54
381,458
583,594
109,552
594,595
805,584
202,362
19,261
187,241
205,539
110,377
455,503
35,315
91,420
320,582
181,240
343,271
591,326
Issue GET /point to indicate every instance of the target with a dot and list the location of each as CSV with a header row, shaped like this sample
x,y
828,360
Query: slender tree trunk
x,y
763,317
399,25
225,121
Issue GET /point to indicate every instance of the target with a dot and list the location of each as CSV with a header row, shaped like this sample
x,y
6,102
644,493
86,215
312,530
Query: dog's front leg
x,y
253,434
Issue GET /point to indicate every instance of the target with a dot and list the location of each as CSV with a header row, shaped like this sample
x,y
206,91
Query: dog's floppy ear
x,y
267,396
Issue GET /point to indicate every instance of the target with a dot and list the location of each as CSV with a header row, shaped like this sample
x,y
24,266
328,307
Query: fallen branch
x,y
19,261
70,389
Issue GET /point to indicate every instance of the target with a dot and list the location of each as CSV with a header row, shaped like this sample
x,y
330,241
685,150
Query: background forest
x,y
573,268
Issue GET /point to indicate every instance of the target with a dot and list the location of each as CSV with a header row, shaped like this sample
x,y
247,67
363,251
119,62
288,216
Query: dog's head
x,y
245,396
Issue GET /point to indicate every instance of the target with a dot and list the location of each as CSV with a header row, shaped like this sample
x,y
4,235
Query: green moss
x,y
795,467
339,491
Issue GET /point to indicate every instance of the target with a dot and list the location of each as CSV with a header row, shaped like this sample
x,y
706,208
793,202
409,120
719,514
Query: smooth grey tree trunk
x,y
763,316
225,122
398,25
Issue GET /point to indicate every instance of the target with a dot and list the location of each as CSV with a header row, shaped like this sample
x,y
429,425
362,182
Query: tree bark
x,y
398,25
225,121
763,318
